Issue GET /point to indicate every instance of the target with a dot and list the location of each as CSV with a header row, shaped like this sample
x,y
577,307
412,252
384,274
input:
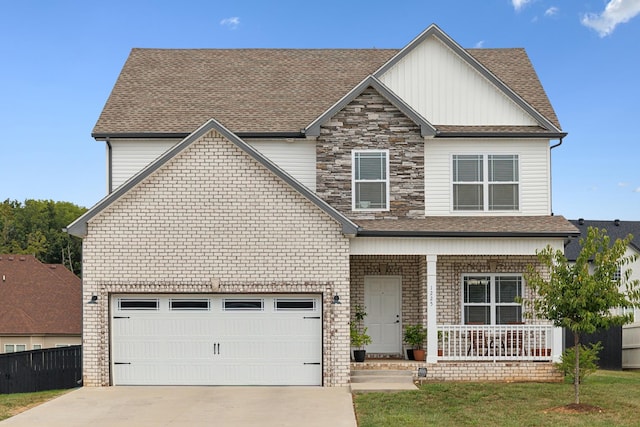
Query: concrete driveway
x,y
193,407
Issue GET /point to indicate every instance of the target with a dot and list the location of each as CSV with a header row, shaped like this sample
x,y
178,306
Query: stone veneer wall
x,y
371,122
214,220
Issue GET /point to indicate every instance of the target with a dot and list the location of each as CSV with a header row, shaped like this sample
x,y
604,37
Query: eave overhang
x,y
80,226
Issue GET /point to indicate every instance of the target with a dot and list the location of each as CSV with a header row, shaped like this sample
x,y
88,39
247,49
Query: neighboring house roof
x,y
616,229
465,226
170,92
37,298
79,226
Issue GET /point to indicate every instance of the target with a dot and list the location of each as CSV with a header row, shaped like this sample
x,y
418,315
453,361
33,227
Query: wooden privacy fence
x,y
38,370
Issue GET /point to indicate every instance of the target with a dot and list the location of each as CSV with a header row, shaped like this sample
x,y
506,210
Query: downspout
x,y
109,164
551,177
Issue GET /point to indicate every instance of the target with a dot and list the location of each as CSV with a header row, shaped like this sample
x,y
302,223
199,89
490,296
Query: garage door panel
x,y
273,345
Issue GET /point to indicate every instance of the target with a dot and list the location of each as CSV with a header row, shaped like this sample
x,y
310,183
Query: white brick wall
x,y
214,220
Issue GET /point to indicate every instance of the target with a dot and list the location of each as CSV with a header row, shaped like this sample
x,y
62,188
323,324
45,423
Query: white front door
x,y
382,300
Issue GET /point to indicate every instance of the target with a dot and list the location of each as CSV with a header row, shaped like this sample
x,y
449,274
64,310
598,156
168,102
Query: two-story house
x,y
257,195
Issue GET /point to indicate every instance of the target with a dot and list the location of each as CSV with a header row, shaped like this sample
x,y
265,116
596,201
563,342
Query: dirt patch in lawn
x,y
575,408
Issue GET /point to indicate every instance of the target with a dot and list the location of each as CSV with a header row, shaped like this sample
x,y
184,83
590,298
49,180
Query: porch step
x,y
363,380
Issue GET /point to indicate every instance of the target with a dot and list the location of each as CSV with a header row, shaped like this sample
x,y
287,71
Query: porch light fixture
x,y
94,299
336,299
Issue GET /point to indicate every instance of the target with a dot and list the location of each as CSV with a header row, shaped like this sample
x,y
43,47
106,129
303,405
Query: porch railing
x,y
495,342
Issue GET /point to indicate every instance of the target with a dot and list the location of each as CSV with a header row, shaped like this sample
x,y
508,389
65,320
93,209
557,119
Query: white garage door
x,y
216,339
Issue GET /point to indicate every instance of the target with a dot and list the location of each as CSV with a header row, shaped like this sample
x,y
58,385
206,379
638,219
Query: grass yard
x,y
506,404
12,404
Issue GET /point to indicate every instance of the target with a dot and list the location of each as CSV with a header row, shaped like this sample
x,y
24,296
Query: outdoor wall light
x,y
94,299
422,372
336,299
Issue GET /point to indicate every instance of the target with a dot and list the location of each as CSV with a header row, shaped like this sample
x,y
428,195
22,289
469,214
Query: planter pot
x,y
410,354
542,352
359,355
439,352
419,355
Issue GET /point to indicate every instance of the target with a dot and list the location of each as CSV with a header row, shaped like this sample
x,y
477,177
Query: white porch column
x,y
432,310
557,344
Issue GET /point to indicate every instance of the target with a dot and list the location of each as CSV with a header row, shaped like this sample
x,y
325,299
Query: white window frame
x,y
492,304
485,183
37,347
354,182
14,348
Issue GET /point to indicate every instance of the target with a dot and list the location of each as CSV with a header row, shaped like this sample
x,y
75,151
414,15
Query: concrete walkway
x,y
193,407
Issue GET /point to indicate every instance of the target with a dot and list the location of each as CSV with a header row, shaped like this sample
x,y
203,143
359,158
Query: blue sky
x,y
60,60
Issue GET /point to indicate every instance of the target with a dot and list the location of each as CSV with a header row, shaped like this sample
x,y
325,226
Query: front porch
x,y
400,290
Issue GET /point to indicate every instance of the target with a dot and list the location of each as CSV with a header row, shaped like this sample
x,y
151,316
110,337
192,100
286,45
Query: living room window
x,y
491,299
370,180
485,183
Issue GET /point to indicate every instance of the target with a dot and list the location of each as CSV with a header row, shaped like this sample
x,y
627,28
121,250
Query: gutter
x,y
109,165
472,234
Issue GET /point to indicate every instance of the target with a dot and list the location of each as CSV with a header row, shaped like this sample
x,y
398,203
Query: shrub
x,y
588,361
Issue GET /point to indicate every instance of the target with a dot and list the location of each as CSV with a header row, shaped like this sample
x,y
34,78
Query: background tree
x,y
35,228
583,296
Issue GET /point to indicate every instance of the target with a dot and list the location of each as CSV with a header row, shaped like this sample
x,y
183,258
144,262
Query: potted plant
x,y
358,334
414,335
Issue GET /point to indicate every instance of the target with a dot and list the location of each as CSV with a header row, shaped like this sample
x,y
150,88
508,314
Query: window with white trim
x,y
491,299
370,180
485,183
12,348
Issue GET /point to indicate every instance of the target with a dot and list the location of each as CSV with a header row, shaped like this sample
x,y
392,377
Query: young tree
x,y
583,296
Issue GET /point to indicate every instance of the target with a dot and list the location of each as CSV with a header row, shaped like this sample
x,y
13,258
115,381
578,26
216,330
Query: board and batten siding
x,y
297,158
446,90
535,175
130,156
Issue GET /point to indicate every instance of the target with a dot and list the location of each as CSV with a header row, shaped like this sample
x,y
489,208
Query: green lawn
x,y
12,404
505,404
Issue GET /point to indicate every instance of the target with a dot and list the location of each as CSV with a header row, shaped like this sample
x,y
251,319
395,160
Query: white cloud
x,y
479,44
623,184
519,4
637,190
616,12
232,22
552,11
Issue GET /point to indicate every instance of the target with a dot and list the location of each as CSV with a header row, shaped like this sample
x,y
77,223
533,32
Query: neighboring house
x,y
617,229
40,305
257,195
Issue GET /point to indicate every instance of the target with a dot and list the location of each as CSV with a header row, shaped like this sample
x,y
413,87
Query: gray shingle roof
x,y
619,231
471,226
174,91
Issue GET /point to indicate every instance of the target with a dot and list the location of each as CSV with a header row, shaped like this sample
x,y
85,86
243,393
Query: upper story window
x,y
485,183
371,180
492,299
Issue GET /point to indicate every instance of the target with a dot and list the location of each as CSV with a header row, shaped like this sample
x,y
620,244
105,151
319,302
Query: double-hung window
x,y
485,182
370,180
492,299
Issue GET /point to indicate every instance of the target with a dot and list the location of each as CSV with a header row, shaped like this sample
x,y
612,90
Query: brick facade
x,y
371,122
214,220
